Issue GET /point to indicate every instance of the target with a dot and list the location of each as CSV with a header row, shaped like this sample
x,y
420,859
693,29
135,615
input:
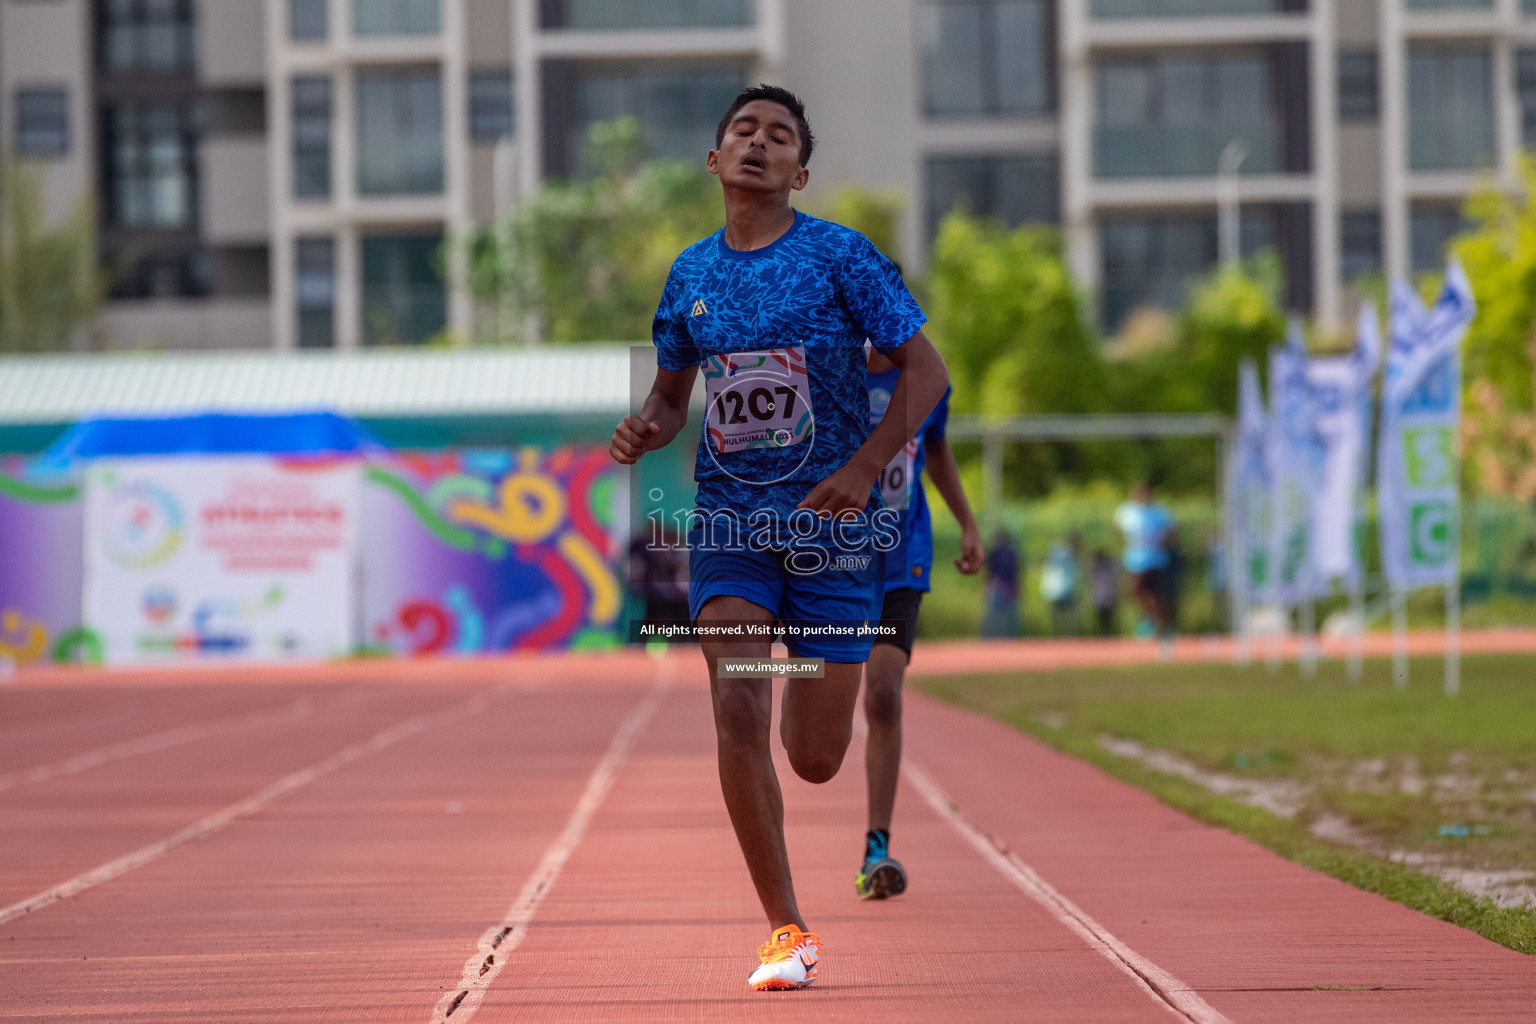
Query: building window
x,y
1359,244
315,291
308,20
490,104
1013,189
400,133
1150,260
987,58
1173,114
1450,108
151,165
1450,5
1357,85
42,122
395,17
169,273
1525,85
148,35
1190,8
1431,226
620,14
403,295
678,108
312,137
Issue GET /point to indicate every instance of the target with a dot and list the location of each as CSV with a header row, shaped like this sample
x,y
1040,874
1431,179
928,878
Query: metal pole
x,y
1453,637
1307,617
992,477
1399,638
1227,202
1356,626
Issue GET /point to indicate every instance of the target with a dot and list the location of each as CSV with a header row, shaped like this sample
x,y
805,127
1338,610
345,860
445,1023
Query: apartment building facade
x,y
282,173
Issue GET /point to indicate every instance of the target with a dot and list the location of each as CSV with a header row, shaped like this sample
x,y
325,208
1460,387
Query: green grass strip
x,y
13,488
1512,927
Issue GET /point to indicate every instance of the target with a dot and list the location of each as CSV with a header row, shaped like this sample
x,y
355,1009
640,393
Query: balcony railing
x,y
1182,8
1451,143
1453,5
1156,151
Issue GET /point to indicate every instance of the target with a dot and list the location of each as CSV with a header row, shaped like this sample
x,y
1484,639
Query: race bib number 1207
x,y
758,399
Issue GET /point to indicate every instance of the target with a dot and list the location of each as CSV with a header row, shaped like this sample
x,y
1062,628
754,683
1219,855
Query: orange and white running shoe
x,y
789,960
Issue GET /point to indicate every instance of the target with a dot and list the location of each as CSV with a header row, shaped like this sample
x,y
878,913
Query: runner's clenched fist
x,y
631,439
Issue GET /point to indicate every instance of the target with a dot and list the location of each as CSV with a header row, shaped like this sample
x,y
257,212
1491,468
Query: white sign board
x,y
242,558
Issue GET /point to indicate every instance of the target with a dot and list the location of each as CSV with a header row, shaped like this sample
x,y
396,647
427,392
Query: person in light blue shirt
x,y
1146,525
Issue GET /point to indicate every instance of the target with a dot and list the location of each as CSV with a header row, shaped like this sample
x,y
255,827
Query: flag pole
x,y
1356,626
1399,638
1453,638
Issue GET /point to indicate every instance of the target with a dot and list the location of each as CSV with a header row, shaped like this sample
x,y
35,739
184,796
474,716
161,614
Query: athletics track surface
x,y
546,837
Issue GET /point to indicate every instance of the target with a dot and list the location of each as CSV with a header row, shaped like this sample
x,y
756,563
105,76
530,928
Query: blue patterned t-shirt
x,y
779,333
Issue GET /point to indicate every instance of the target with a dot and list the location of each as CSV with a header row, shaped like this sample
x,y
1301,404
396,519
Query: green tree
x,y
50,283
1008,320
874,214
1499,256
588,258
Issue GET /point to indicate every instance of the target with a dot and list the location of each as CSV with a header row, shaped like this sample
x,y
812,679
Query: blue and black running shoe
x,y
881,876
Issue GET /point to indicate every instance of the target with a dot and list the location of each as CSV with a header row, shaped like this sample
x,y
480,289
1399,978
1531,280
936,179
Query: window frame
x,y
993,104
60,131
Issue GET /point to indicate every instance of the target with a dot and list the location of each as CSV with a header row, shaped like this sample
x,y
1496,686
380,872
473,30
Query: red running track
x,y
355,844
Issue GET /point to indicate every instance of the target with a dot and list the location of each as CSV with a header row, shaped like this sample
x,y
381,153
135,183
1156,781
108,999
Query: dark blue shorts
x,y
834,593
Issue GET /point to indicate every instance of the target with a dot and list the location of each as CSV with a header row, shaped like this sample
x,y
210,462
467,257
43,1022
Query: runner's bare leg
x,y
882,710
816,727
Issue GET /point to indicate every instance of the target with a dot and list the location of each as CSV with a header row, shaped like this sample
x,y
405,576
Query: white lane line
x,y
250,805
191,733
492,951
1162,987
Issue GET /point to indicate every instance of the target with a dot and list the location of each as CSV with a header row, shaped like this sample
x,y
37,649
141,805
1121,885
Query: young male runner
x,y
776,308
906,578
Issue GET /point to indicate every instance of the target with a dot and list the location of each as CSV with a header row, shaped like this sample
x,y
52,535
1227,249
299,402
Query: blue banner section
x,y
318,432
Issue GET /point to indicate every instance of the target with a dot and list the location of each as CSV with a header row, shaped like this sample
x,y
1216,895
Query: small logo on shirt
x,y
699,308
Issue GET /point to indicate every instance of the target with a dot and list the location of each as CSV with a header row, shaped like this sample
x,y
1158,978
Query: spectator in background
x,y
1216,575
1058,584
1104,581
1173,578
658,575
1002,610
1146,526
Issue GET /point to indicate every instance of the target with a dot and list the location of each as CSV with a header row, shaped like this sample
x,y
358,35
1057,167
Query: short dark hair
x,y
774,94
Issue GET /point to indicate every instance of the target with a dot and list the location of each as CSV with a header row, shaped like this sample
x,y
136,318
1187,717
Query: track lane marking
x,y
491,953
1160,986
412,726
190,733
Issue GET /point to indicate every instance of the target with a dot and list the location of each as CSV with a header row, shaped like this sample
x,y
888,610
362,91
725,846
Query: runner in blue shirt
x,y
775,309
906,578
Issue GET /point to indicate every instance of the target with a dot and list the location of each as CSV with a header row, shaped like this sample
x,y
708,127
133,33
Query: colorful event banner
x,y
448,552
1343,402
1418,464
1251,504
41,525
243,557
492,550
1296,459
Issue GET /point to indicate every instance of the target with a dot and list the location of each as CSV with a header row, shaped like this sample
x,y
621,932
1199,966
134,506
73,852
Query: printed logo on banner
x,y
1435,394
1430,530
1429,454
159,605
145,525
